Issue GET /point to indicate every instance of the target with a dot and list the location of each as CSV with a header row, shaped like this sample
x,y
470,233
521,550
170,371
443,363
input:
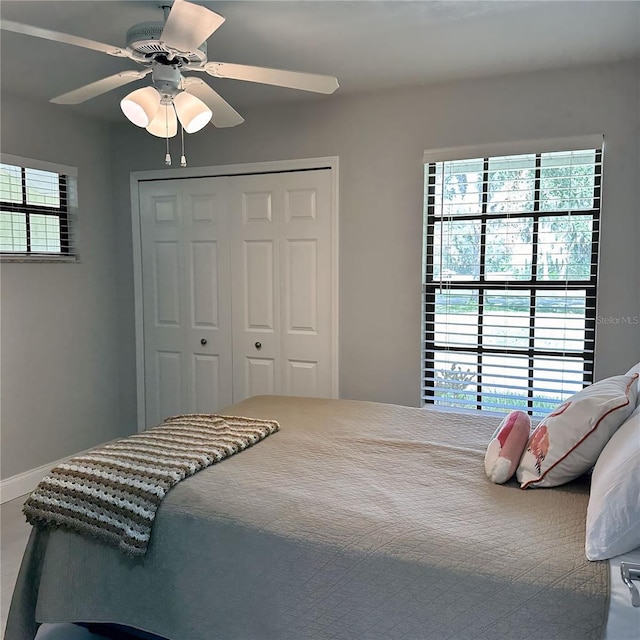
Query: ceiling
x,y
367,44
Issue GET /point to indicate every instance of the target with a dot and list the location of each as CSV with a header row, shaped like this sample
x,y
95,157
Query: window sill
x,y
24,257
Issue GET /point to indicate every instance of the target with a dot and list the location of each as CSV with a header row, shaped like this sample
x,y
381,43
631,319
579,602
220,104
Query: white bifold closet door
x,y
187,298
239,295
281,284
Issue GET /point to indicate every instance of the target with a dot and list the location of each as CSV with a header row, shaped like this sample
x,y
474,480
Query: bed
x,y
355,521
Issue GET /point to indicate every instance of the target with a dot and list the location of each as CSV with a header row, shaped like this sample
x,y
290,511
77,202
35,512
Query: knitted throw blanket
x,y
113,492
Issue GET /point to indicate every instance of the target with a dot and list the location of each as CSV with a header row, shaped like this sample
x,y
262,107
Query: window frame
x,y
534,286
66,213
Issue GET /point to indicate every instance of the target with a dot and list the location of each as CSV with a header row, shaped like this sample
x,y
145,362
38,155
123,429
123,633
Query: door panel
x,y
170,383
260,376
259,271
300,203
206,382
165,208
204,284
208,336
166,263
306,268
257,206
282,297
205,207
301,301
161,256
254,203
187,303
302,378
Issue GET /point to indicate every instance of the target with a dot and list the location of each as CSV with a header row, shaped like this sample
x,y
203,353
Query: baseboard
x,y
26,482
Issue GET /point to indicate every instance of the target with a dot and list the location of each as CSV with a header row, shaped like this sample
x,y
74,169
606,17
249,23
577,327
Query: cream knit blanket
x,y
113,492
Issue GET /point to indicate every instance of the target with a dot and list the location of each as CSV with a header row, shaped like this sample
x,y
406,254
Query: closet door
x,y
187,299
282,294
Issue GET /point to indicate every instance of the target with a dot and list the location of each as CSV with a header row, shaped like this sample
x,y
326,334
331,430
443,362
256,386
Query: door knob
x,y
258,345
203,341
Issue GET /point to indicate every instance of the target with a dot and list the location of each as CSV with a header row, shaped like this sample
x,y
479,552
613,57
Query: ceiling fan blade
x,y
224,115
47,34
99,87
277,77
189,25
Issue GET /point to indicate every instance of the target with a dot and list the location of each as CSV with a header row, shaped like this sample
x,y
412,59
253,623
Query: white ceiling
x,y
367,44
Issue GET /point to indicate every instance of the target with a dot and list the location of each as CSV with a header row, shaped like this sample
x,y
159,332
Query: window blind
x,y
35,206
510,279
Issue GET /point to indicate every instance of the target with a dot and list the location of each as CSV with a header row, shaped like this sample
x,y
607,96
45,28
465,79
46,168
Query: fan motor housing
x,y
144,38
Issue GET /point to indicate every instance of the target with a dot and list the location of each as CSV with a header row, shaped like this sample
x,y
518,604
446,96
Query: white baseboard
x,y
26,482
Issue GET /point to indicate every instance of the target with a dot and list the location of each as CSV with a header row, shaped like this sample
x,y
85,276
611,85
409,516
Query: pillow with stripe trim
x,y
569,440
635,369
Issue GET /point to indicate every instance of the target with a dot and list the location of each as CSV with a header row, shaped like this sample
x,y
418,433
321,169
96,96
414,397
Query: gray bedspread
x,y
356,521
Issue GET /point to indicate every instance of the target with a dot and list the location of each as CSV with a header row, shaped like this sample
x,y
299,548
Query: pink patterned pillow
x,y
569,440
506,447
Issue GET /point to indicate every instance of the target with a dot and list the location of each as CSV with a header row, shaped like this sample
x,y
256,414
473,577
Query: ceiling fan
x,y
167,50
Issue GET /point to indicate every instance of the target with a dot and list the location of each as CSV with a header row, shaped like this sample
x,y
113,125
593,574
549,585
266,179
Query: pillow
x,y
569,440
613,514
506,447
635,369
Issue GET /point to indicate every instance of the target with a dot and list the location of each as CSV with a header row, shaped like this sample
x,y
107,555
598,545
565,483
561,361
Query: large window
x,y
34,210
510,278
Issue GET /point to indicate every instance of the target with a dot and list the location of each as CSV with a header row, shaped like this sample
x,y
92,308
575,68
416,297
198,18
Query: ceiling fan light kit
x,y
141,106
192,112
165,122
167,50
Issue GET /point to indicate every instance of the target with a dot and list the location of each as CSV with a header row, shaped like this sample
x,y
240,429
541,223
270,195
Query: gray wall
x,y
59,344
380,139
68,338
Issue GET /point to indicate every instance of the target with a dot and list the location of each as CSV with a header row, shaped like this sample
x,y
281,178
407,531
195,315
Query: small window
x,y
34,211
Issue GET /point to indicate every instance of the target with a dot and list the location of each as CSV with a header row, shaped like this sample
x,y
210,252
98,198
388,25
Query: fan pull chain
x,y
183,158
167,158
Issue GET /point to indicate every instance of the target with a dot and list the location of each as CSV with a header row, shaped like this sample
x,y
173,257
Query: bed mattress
x,y
356,521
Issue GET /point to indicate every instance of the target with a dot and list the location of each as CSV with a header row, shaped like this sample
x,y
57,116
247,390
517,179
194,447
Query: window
x,y
35,203
510,278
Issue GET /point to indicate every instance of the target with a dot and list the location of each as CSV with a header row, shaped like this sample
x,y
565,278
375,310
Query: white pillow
x,y
635,369
613,514
569,440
